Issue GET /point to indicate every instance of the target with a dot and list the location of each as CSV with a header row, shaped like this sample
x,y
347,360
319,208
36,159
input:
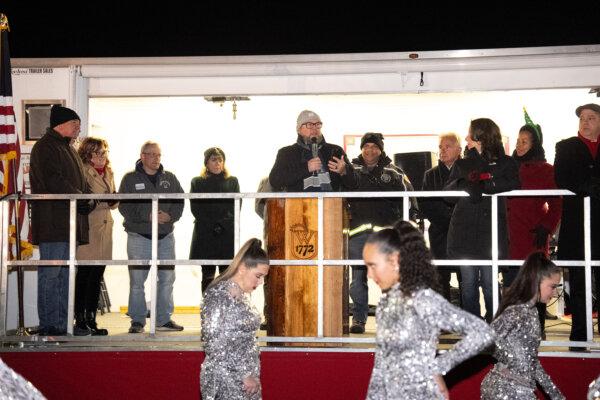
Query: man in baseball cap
x,y
577,168
590,106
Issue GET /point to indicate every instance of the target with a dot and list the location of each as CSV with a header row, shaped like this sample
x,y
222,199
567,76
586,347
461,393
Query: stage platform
x,y
167,365
291,374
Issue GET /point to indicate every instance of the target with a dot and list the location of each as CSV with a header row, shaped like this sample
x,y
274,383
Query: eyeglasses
x,y
101,154
311,125
152,154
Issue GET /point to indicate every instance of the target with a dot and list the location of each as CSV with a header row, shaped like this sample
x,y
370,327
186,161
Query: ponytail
x,y
251,254
526,285
416,270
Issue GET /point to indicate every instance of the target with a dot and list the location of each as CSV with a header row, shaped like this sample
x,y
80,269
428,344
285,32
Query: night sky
x,y
119,29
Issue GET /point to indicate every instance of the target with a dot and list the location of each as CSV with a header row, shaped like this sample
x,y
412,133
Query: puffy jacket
x,y
380,211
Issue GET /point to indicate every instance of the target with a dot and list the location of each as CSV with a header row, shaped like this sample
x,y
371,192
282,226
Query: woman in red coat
x,y
531,220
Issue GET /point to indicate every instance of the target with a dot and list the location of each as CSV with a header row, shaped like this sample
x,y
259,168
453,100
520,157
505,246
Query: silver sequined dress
x,y
408,328
518,368
229,325
14,387
594,389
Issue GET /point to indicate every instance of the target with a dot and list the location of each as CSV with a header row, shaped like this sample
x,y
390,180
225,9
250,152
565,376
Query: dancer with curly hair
x,y
410,316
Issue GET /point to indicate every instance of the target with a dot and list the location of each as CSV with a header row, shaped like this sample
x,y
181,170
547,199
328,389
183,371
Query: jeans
x,y
359,290
53,287
140,248
472,277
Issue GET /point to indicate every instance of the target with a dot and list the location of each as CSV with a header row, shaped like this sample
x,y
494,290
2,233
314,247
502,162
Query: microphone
x,y
314,147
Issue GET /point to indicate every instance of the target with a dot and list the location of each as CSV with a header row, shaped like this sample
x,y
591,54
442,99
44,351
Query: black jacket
x,y
378,211
291,167
136,213
56,168
574,169
214,218
470,233
437,209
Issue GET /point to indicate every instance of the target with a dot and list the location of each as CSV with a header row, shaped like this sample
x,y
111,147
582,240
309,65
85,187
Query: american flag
x,y
10,151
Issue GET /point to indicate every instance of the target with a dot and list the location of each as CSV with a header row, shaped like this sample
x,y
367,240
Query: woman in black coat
x,y
214,218
484,169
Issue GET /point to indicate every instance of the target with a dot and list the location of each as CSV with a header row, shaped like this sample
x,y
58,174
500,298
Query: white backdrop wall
x,y
186,126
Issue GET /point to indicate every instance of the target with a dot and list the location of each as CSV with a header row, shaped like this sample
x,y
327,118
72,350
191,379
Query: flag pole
x,y
21,331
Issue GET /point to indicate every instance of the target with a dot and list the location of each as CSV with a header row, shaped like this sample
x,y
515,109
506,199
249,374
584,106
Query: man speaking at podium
x,y
311,164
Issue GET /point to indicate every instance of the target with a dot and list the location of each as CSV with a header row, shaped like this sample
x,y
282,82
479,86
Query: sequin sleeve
x,y
594,389
14,386
546,382
377,382
437,311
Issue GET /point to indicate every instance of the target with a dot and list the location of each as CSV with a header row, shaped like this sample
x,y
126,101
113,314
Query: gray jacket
x,y
136,213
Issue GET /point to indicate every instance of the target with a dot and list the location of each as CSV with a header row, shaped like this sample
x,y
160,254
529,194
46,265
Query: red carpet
x,y
285,375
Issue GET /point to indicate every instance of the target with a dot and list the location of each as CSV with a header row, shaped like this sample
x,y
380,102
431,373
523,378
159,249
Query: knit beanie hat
x,y
60,115
213,151
372,137
307,116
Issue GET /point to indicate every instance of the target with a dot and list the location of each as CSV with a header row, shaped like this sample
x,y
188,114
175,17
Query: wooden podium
x,y
292,234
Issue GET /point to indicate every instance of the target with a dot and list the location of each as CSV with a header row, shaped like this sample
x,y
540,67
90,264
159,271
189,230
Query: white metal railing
x,y
494,262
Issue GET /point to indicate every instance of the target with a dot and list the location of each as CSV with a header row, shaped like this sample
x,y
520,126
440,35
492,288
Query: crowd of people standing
x,y
460,229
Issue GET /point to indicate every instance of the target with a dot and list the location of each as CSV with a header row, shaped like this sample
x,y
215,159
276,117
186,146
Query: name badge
x,y
140,186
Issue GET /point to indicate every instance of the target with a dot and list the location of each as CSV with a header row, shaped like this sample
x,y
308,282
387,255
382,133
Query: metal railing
x,y
320,262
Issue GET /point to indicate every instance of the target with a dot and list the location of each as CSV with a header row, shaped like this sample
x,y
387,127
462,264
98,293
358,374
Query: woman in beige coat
x,y
99,176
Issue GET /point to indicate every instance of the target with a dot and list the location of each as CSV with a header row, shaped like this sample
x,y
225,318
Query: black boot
x,y
81,328
91,323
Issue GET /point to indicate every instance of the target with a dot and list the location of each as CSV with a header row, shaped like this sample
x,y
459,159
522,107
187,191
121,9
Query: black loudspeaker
x,y
415,164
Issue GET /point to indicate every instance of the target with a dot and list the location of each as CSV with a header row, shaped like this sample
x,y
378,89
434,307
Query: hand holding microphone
x,y
314,164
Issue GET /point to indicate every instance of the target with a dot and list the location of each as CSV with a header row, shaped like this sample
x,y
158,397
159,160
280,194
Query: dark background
x,y
199,28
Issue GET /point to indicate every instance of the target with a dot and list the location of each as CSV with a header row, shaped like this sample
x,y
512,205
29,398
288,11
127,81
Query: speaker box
x,y
415,164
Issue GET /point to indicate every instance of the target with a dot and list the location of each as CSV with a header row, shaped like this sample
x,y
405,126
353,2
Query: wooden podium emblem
x,y
304,242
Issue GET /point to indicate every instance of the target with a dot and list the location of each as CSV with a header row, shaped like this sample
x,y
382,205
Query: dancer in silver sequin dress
x,y
14,387
410,317
517,331
231,368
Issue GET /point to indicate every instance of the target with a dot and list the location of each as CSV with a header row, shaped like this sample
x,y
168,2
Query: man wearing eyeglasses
x,y
150,177
311,164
